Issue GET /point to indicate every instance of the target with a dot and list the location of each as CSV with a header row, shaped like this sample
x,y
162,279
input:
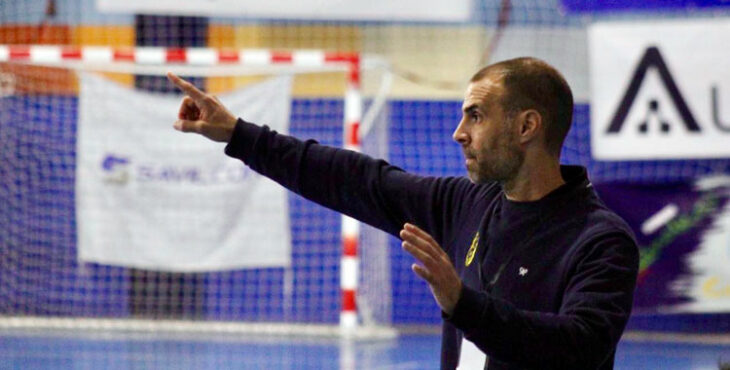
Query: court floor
x,y
110,351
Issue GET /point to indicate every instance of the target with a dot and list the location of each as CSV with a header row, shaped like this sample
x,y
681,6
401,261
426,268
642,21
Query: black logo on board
x,y
652,58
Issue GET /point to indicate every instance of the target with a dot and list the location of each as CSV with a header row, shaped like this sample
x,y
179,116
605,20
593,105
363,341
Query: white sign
x,y
660,90
150,197
374,10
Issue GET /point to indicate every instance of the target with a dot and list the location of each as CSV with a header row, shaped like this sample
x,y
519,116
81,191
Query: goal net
x,y
116,221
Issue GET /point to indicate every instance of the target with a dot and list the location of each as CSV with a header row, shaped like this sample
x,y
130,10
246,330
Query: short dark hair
x,y
530,83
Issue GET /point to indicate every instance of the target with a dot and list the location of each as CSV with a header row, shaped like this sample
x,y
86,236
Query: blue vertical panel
x,y
316,243
40,274
420,142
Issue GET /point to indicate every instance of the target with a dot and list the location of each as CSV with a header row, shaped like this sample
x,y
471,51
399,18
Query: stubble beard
x,y
502,164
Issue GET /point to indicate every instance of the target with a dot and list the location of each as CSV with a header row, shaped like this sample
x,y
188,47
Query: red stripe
x,y
348,300
123,55
228,56
71,53
353,136
281,57
176,55
341,57
354,76
19,52
349,245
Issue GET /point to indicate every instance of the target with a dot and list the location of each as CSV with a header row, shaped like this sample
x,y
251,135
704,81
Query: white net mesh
x,y
39,272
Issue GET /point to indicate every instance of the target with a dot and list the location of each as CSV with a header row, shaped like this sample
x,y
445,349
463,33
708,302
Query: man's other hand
x,y
435,267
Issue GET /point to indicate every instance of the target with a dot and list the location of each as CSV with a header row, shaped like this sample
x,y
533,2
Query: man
x,y
524,260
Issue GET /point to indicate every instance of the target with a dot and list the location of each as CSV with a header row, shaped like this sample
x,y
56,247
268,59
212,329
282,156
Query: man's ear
x,y
530,124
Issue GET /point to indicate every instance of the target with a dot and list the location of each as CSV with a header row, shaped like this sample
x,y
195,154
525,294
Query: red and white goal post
x,y
231,62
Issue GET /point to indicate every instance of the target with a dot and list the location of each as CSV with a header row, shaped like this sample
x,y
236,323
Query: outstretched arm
x,y
367,189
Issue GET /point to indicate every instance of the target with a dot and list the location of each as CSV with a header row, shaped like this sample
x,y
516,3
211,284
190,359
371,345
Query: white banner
x,y
372,10
150,197
660,90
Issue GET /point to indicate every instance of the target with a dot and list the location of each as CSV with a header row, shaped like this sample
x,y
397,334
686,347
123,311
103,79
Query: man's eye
x,y
474,117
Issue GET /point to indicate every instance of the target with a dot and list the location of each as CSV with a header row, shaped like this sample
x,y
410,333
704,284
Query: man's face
x,y
488,137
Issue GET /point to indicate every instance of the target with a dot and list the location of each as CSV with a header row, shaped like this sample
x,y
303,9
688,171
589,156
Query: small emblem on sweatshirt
x,y
523,271
472,250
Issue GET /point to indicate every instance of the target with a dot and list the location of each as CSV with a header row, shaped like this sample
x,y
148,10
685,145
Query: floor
x,y
110,351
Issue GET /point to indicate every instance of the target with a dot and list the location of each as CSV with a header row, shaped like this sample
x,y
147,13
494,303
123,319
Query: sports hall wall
x,y
432,64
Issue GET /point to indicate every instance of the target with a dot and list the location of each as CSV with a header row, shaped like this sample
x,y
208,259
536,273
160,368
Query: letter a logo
x,y
652,59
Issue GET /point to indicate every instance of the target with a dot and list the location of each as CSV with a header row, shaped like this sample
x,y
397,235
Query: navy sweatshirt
x,y
546,284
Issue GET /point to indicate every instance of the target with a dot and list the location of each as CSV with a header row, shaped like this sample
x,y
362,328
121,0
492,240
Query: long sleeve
x,y
359,186
595,308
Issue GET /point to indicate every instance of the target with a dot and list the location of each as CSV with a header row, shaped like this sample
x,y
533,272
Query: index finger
x,y
186,87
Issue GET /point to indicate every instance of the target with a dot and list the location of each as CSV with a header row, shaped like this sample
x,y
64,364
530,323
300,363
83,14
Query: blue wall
x,y
40,274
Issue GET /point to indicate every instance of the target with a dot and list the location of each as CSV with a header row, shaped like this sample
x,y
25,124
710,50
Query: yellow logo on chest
x,y
472,250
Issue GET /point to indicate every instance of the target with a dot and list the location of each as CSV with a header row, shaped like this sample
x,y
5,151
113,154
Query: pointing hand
x,y
202,113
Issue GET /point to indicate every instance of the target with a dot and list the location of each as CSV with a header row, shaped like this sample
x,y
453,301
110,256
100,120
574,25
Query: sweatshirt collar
x,y
575,178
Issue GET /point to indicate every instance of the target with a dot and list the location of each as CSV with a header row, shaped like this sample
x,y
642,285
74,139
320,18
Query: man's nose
x,y
460,135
